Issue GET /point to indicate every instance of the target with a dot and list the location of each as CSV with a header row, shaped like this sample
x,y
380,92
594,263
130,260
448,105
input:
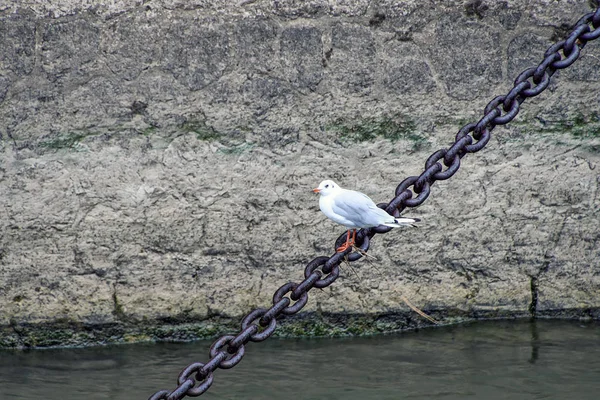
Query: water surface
x,y
485,360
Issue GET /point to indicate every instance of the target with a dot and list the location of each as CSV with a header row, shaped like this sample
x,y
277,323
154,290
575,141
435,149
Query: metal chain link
x,y
321,272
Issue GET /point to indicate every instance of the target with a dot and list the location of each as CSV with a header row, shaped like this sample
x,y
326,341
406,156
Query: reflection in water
x,y
535,342
486,360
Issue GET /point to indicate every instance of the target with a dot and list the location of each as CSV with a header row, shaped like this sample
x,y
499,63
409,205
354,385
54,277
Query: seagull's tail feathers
x,y
402,222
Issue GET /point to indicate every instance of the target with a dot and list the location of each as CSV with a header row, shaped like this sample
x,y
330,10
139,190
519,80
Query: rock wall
x,y
158,156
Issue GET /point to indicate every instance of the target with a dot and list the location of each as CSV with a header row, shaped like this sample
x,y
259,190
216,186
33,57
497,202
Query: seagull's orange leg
x,y
345,245
349,242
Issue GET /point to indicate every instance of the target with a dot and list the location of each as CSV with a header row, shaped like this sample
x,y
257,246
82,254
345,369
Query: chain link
x,y
322,271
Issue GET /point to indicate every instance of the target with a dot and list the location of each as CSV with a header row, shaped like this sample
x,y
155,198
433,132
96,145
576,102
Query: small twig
x,y
350,266
408,303
418,311
363,253
368,257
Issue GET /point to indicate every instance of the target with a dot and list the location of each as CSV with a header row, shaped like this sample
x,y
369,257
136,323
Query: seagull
x,y
354,210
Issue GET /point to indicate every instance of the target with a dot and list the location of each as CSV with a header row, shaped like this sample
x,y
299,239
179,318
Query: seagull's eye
x,y
326,186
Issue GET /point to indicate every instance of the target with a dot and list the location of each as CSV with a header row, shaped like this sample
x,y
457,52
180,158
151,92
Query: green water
x,y
486,360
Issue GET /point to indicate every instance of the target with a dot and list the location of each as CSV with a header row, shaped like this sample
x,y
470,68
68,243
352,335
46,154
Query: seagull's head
x,y
326,188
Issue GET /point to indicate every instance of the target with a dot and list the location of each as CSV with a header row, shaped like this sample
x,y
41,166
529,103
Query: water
x,y
489,360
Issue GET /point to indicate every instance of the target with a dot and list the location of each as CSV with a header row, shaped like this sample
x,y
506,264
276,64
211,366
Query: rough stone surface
x,y
158,156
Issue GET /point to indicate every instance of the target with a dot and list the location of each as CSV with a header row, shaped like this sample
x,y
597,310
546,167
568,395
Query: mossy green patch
x,y
338,325
149,131
63,141
202,131
579,126
73,333
237,149
136,338
309,328
66,332
392,128
184,332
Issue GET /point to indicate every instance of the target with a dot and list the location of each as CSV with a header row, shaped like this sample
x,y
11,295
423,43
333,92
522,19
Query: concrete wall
x,y
158,156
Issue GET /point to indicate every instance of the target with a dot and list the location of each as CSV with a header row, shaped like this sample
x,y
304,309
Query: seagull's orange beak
x,y
316,190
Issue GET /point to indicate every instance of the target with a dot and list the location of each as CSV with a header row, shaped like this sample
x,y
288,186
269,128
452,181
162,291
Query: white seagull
x,y
354,210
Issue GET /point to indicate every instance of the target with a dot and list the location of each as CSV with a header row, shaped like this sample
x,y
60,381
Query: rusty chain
x,y
259,324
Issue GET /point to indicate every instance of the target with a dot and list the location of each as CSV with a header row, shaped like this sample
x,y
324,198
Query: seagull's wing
x,y
360,209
